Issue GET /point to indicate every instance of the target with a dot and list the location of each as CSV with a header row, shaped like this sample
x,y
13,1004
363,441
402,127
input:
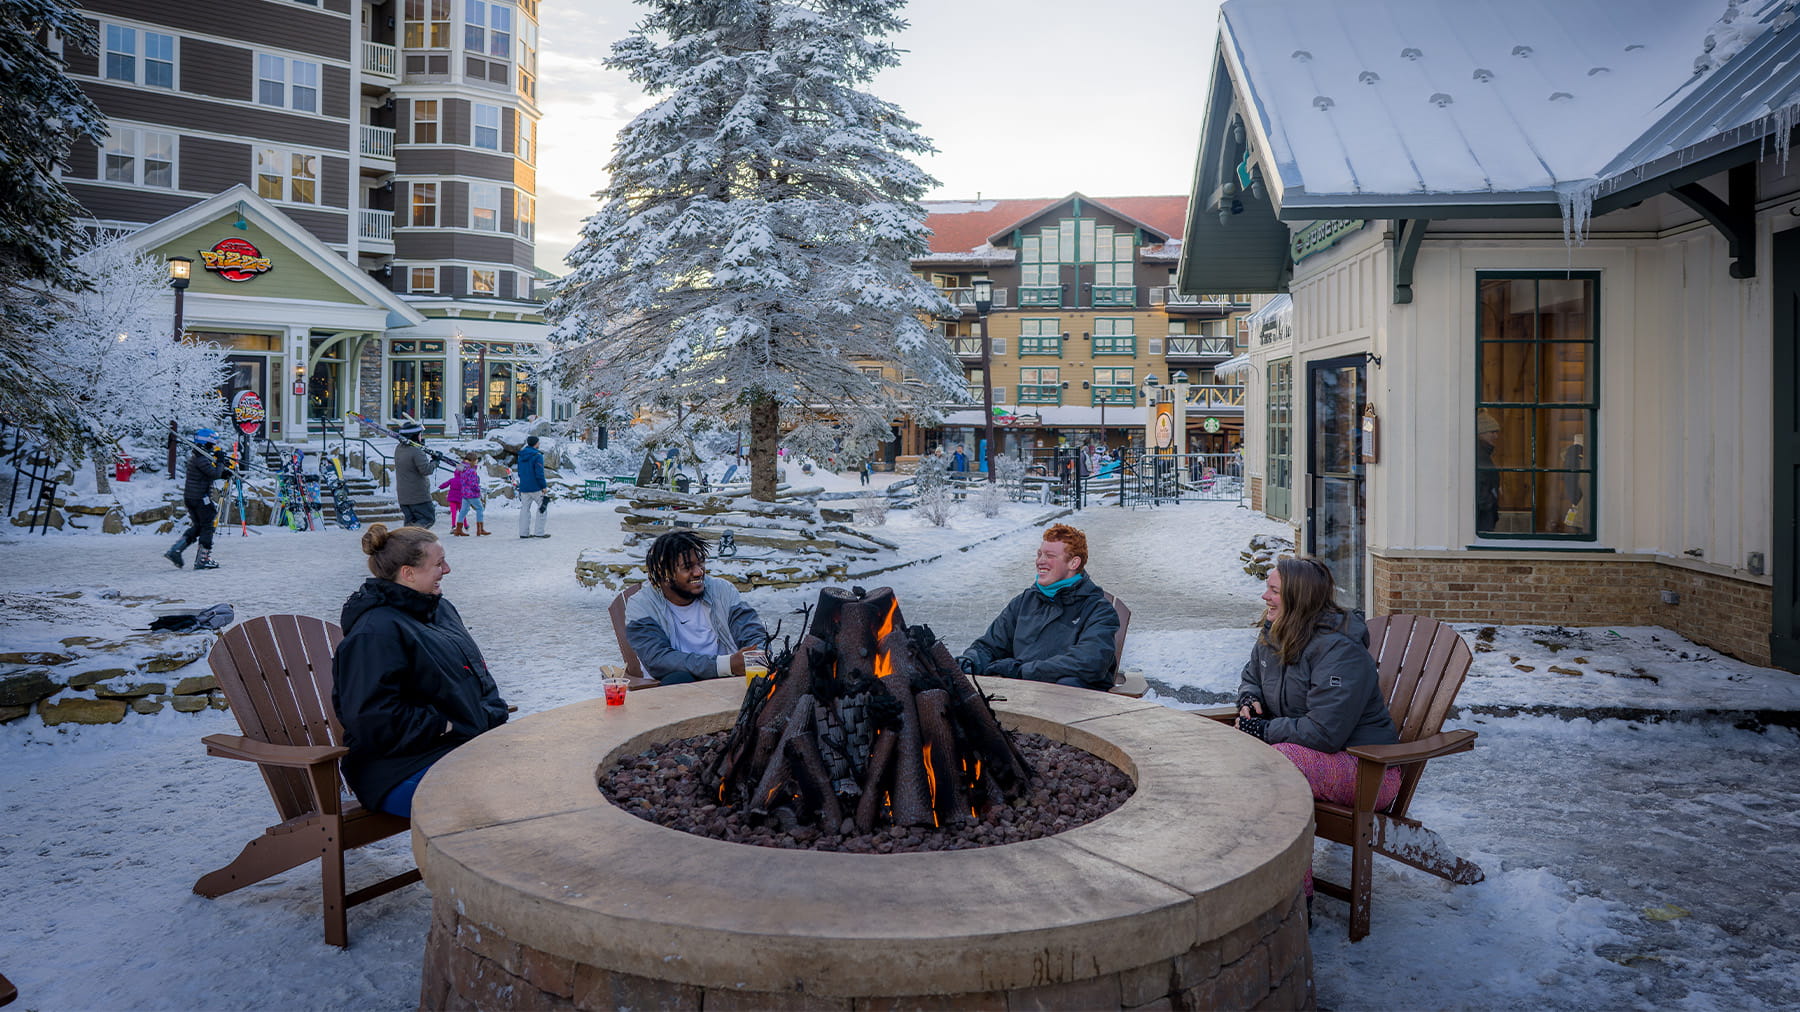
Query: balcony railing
x,y
974,395
967,347
1198,347
1115,295
378,142
1215,396
1040,393
380,60
376,225
1114,395
1046,345
1174,298
964,298
1040,296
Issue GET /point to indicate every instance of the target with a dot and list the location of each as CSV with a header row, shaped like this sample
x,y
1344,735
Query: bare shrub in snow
x,y
936,504
990,497
872,513
1008,475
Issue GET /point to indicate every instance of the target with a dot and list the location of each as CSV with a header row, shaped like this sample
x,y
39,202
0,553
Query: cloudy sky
x,y
1023,98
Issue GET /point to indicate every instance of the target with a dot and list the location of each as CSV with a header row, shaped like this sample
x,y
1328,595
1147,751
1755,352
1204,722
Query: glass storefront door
x,y
1336,394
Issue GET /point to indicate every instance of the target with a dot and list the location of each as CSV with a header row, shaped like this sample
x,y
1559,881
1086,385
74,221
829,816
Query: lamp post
x,y
180,270
984,302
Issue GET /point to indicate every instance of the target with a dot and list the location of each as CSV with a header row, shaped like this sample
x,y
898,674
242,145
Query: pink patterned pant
x,y
1332,776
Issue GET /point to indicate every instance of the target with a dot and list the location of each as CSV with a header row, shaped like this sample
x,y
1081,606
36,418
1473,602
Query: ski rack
x,y
246,465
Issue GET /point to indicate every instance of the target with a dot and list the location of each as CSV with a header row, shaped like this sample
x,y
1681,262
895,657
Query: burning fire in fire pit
x,y
865,722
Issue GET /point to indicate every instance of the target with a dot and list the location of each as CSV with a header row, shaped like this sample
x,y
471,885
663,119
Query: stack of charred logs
x,y
866,722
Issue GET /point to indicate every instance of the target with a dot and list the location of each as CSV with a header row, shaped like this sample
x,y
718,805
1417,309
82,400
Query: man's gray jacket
x,y
1068,639
650,629
412,474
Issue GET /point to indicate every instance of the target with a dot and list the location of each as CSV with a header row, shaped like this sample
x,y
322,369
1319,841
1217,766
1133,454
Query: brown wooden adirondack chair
x,y
1422,663
632,670
276,673
1125,684
7,991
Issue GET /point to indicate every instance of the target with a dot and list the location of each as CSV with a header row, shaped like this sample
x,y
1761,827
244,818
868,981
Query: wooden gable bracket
x,y
1408,233
1735,218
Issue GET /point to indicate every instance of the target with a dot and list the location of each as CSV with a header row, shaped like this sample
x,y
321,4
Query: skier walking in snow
x,y
206,464
531,490
412,476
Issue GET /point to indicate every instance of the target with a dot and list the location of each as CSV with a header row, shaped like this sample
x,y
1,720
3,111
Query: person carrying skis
x,y
206,464
412,476
531,490
464,492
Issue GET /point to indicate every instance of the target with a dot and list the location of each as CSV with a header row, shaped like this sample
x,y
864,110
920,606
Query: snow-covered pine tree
x,y
753,245
43,113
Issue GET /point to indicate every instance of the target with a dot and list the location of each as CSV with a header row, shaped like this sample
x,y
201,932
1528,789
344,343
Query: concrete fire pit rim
x,y
506,816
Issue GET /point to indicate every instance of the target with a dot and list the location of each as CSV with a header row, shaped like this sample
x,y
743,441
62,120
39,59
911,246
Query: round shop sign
x,y
235,260
1211,424
247,411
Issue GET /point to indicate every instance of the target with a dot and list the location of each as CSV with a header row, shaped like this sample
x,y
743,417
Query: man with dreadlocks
x,y
696,626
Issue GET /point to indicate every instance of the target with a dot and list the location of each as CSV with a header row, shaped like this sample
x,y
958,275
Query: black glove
x,y
1249,698
1255,727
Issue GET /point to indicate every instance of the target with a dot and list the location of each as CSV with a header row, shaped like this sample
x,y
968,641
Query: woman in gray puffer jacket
x,y
1311,688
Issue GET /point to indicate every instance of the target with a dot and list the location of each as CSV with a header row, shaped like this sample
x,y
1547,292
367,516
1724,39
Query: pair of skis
x,y
442,459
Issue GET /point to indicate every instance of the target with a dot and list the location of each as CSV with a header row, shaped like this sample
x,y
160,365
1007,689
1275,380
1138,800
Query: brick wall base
x,y
1265,964
1729,615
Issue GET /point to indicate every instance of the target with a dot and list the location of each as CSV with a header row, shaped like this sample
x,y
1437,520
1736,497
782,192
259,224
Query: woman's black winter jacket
x,y
405,668
1330,697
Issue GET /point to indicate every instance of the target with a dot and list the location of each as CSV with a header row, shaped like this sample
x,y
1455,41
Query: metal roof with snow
x,y
1415,109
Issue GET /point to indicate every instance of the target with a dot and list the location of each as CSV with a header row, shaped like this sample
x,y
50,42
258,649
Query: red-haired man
x,y
1060,629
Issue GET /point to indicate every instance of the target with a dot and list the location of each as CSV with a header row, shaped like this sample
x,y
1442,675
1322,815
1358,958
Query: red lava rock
x,y
1072,788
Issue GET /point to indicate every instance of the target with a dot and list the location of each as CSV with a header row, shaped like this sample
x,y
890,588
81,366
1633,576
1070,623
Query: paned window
x,y
528,57
154,66
1040,385
484,207
1115,336
287,84
1114,385
508,391
1111,254
524,215
417,387
1278,484
139,157
421,279
483,281
427,24
1537,401
424,206
282,174
487,126
487,29
525,142
1040,269
425,121
1040,336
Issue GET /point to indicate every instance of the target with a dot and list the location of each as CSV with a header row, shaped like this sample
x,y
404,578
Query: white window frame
x,y
474,206
414,190
524,215
492,276
283,161
525,139
139,41
482,35
478,111
295,77
413,275
432,22
134,145
435,120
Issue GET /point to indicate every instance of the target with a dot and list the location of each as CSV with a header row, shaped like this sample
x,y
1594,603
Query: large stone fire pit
x,y
546,895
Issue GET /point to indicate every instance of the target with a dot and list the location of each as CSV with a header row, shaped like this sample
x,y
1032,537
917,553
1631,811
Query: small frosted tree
x,y
110,350
753,246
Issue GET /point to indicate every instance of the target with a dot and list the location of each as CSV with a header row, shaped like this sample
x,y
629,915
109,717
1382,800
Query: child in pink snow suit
x,y
465,497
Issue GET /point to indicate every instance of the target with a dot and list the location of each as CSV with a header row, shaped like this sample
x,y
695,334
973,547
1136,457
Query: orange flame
x,y
884,661
931,783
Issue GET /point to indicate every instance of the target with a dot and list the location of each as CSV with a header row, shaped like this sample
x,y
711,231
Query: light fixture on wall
x,y
240,224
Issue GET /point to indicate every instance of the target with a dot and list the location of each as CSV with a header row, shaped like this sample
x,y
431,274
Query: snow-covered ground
x,y
1637,862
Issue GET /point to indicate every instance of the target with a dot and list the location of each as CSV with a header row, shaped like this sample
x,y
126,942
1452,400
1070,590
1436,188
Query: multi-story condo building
x,y
356,183
1085,314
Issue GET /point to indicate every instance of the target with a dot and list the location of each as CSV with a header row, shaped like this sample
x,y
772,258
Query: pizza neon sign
x,y
235,260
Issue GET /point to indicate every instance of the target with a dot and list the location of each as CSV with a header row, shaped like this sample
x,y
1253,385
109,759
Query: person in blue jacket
x,y
408,682
687,626
531,490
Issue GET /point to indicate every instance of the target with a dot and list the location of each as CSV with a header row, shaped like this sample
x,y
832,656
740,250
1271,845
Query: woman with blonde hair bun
x,y
408,682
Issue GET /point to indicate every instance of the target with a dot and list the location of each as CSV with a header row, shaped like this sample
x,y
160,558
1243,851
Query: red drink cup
x,y
615,690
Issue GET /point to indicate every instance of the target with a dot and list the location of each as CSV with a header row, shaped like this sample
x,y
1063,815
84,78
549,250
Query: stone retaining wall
x,y
1265,964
